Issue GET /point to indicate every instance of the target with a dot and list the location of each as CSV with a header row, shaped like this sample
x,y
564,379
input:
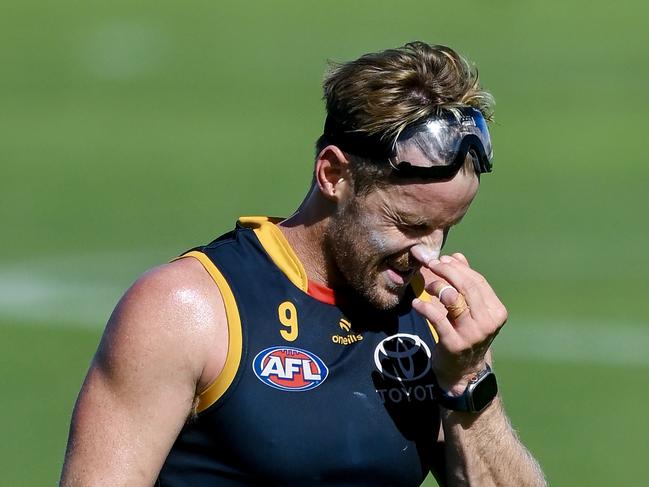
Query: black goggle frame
x,y
471,144
373,147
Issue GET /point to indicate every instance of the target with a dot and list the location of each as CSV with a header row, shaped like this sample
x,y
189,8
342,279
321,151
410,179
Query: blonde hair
x,y
379,94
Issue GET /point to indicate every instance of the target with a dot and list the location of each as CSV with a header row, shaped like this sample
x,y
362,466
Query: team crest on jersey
x,y
289,369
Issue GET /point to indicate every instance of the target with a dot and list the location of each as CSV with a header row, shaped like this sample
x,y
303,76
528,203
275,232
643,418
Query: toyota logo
x,y
402,357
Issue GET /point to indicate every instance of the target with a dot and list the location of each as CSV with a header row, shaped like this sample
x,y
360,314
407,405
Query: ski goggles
x,y
446,139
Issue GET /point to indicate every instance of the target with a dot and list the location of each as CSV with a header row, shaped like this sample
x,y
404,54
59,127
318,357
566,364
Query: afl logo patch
x,y
289,369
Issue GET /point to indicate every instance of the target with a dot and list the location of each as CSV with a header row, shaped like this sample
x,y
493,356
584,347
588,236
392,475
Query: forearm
x,y
483,450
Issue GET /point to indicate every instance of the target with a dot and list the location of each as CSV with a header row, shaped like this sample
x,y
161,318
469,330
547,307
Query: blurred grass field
x,y
131,131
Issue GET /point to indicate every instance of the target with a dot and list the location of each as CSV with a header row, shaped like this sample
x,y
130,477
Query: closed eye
x,y
413,227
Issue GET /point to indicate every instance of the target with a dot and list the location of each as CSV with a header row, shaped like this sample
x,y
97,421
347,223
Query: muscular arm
x,y
481,449
165,341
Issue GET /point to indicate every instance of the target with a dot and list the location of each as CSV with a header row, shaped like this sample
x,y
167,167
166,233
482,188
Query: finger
x,y
454,301
424,254
462,273
490,299
450,298
471,274
459,256
474,289
428,275
461,261
482,300
446,293
435,312
459,308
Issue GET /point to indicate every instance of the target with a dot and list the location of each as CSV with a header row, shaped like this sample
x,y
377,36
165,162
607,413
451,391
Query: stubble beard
x,y
350,251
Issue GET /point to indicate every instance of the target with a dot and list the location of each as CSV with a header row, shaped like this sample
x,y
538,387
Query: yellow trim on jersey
x,y
282,254
417,285
278,248
216,389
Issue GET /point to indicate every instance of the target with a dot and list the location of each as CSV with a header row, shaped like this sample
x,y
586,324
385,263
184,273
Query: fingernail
x,y
431,255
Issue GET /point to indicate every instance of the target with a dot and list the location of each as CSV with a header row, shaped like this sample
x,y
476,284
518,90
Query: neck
x,y
305,231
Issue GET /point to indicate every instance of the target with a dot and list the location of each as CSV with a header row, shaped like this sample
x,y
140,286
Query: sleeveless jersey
x,y
316,390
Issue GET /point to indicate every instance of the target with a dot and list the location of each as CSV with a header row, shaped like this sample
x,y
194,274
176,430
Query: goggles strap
x,y
358,143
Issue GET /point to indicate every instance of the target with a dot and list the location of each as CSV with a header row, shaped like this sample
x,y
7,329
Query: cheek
x,y
378,241
385,242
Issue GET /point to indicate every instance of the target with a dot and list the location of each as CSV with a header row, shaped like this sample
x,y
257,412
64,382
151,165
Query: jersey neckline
x,y
284,257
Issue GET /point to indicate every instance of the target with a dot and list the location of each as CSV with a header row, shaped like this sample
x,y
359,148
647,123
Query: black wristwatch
x,y
482,389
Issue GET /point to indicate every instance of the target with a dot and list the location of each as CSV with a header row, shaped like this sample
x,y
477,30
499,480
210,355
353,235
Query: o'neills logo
x,y
349,337
404,358
346,339
289,369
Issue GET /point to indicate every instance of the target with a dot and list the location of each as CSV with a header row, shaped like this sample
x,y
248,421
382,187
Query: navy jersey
x,y
317,390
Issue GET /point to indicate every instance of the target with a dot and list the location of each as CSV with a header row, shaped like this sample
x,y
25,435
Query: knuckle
x,y
455,347
494,329
502,315
470,287
481,281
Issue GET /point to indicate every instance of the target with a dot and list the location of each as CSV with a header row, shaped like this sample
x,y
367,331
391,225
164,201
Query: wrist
x,y
455,384
480,390
453,388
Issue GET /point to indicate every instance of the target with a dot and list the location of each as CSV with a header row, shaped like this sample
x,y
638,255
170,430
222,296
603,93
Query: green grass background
x,y
132,130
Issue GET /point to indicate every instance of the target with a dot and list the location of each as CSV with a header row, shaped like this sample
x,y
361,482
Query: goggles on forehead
x,y
445,139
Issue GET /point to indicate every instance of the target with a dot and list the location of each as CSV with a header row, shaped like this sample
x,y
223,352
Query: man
x,y
305,351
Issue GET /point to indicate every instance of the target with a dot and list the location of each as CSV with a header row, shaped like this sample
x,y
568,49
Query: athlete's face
x,y
371,236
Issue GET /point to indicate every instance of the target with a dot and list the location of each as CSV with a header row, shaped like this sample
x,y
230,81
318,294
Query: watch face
x,y
484,392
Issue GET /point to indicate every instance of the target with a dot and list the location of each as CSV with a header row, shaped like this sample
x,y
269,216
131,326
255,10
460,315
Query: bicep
x,y
140,387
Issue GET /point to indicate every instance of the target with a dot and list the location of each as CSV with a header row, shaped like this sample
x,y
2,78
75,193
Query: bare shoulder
x,y
173,312
183,281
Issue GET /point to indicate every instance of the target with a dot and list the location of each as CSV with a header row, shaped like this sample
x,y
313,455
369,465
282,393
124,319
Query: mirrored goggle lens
x,y
446,141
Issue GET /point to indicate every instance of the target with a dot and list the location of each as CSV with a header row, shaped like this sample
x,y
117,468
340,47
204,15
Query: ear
x,y
332,173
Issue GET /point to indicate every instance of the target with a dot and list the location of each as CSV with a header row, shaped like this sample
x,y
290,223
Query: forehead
x,y
441,202
433,202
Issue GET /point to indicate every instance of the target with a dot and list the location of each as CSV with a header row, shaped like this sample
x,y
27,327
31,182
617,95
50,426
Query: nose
x,y
429,247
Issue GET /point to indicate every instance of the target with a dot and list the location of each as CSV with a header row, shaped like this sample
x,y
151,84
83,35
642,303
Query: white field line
x,y
52,299
48,300
76,289
581,342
